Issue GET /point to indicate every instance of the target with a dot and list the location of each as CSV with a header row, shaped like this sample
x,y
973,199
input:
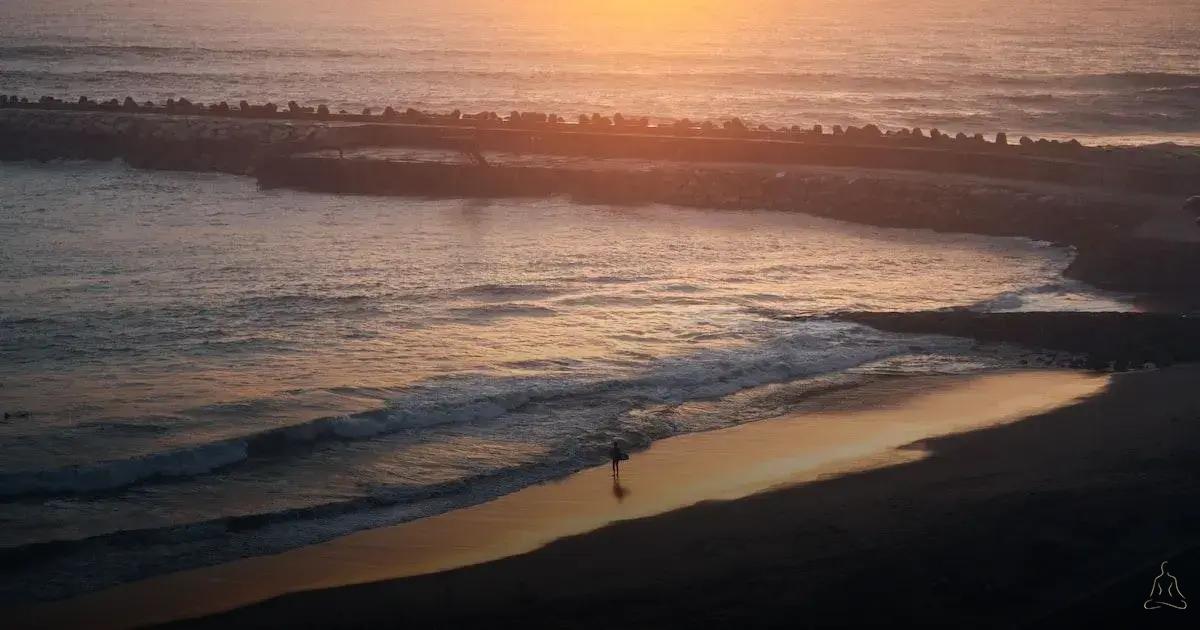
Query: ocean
x,y
1106,71
213,371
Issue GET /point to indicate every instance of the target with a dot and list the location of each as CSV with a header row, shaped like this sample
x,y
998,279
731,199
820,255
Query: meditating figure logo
x,y
1165,591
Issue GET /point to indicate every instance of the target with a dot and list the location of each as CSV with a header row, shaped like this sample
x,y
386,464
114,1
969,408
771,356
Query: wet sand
x,y
1060,520
858,429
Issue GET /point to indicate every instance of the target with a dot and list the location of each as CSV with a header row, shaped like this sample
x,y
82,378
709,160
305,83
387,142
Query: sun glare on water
x,y
618,24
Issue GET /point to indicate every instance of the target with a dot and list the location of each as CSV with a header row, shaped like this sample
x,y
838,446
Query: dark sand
x,y
1060,520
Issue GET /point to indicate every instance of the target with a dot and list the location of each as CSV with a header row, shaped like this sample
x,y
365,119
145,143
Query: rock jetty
x,y
167,142
622,159
1117,341
65,124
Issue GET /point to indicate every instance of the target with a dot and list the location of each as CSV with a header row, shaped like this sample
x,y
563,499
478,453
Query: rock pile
x,y
731,128
161,142
1107,341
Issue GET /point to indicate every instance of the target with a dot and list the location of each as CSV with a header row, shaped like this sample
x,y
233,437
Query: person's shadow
x,y
1165,592
619,491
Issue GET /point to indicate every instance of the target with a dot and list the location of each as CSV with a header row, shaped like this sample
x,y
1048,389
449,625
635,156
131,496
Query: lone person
x,y
617,455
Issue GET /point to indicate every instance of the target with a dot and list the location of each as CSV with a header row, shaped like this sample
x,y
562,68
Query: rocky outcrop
x,y
1147,266
621,136
1117,340
161,142
884,201
1107,256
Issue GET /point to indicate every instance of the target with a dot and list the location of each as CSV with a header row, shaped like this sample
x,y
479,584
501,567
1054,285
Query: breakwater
x,y
704,171
236,140
1099,228
167,142
862,198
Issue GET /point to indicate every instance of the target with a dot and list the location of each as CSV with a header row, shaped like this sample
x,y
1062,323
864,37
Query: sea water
x,y
212,370
1101,70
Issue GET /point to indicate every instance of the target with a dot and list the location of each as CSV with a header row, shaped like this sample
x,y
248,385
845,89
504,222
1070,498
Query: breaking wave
x,y
468,400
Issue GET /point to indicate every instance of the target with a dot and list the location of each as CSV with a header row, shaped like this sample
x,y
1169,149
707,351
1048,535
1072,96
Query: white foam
x,y
806,349
116,474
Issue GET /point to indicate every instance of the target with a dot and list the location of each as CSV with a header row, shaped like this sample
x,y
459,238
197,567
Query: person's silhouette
x,y
617,455
1165,591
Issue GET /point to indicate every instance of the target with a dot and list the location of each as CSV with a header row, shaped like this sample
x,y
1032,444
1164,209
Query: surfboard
x,y
624,456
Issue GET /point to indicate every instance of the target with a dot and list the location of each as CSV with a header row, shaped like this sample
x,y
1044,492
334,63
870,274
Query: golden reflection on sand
x,y
672,473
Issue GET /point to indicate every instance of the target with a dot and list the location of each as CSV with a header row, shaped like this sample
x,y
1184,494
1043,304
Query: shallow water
x,y
1102,70
219,370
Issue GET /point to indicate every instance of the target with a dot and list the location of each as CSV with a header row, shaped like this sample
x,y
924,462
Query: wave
x,y
682,287
337,517
1129,78
1180,91
301,304
24,321
127,426
492,312
1105,80
725,77
479,399
1055,296
1041,97
206,458
110,475
1087,120
289,299
1135,79
47,51
632,300
180,546
1117,80
1017,300
508,291
614,279
50,51
215,528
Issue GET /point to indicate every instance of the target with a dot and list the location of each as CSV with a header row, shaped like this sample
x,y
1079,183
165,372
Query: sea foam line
x,y
702,375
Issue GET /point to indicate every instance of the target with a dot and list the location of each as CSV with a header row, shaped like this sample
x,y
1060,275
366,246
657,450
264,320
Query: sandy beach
x,y
882,427
343,316
1063,517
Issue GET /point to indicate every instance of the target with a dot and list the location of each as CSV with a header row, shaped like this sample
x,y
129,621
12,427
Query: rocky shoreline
x,y
1116,341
